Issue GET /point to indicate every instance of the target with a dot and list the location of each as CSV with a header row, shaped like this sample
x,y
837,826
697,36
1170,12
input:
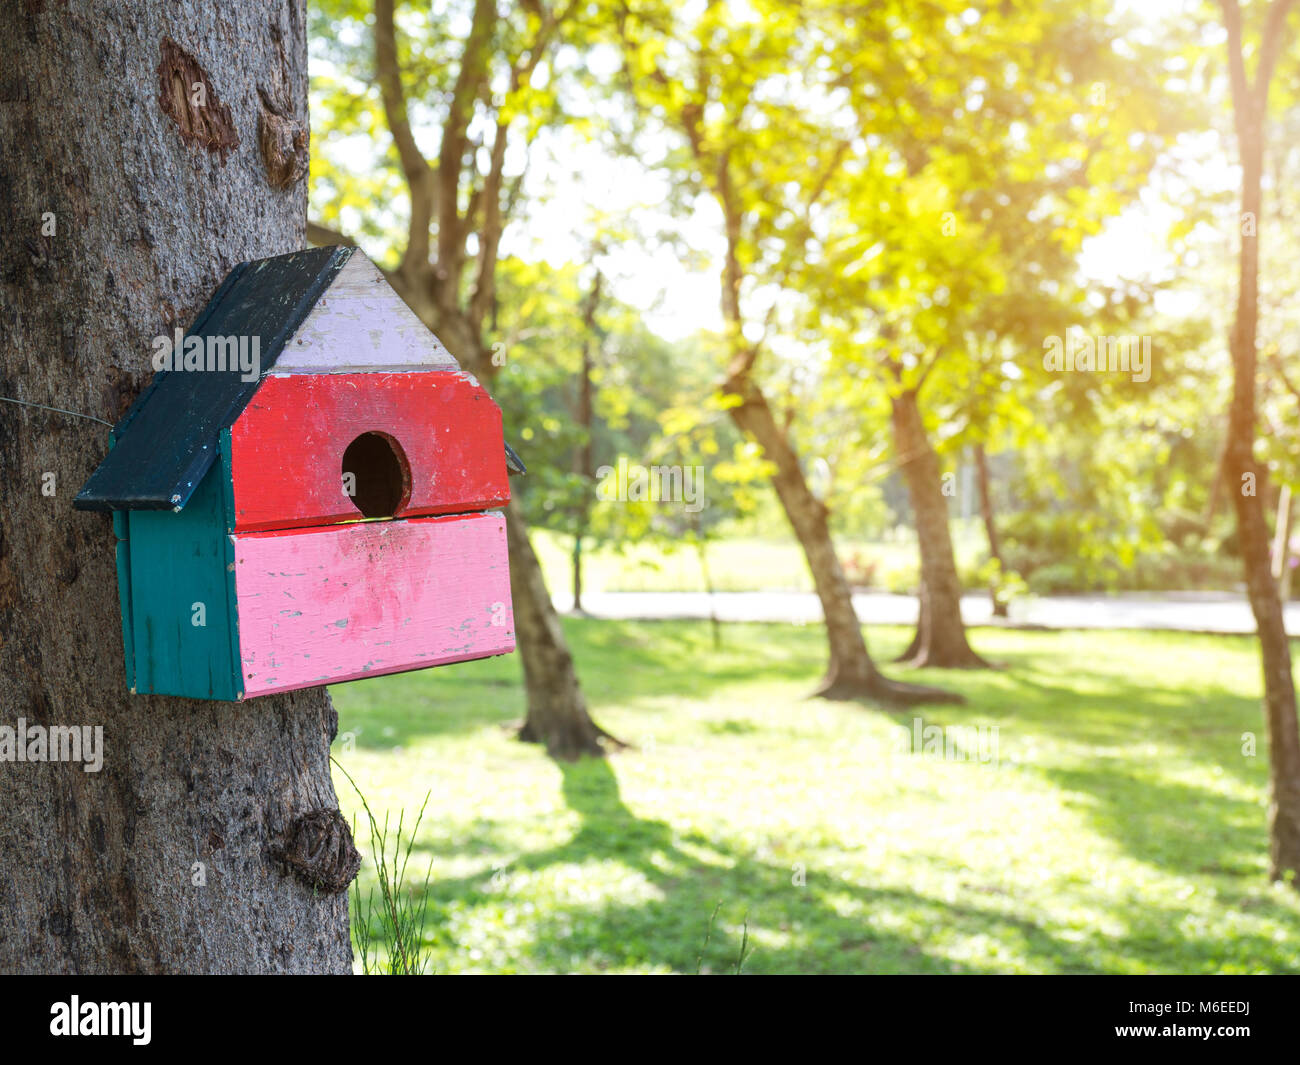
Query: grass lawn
x,y
1120,829
738,563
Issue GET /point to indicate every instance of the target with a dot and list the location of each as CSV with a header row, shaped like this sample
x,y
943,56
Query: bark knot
x,y
283,141
185,93
318,848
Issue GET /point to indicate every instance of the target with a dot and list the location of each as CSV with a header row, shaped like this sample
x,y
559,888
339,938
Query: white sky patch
x,y
1136,244
578,185
1133,244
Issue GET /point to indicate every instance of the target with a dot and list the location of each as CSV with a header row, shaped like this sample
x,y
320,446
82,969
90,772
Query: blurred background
x,y
887,602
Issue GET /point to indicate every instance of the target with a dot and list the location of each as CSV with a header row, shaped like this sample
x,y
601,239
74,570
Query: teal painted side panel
x,y
122,529
177,559
227,483
228,542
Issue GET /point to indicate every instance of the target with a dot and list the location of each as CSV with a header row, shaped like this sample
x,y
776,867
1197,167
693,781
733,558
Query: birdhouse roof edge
x,y
166,442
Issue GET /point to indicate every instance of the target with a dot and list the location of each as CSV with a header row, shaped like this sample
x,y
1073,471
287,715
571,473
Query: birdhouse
x,y
308,492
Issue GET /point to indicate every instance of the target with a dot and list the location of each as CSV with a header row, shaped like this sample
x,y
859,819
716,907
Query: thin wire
x,y
59,410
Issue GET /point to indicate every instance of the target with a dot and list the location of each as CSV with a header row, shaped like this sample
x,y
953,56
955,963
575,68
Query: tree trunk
x,y
913,647
1252,525
851,673
577,573
582,454
557,710
438,291
164,860
941,636
1282,543
990,525
702,550
557,714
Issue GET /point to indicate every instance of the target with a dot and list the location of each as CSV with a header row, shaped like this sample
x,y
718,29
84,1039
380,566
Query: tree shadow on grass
x,y
1107,712
1150,815
831,924
824,924
692,885
1154,818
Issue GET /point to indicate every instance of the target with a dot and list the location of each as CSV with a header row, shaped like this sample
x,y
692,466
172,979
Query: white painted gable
x,y
359,325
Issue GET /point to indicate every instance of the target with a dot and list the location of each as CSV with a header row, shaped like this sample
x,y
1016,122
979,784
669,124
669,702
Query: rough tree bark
x,y
990,524
940,635
453,292
1250,108
163,861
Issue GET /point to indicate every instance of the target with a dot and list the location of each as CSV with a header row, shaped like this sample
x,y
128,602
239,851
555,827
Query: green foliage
x,y
893,196
904,194
357,183
1069,551
652,407
741,955
1004,584
905,191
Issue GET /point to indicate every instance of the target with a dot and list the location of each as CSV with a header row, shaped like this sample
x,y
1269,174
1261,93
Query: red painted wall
x,y
287,447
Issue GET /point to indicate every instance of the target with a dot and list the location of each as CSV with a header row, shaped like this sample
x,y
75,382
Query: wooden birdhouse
x,y
308,492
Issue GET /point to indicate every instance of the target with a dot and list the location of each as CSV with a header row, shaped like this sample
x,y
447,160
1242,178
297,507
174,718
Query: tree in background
x,y
980,155
1250,94
1279,320
566,343
584,467
727,85
710,468
479,88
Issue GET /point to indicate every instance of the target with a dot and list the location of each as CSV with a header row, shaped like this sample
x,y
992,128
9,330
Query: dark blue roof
x,y
167,441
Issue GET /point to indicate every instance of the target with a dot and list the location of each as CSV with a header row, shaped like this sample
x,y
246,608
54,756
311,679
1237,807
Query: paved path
x,y
1195,612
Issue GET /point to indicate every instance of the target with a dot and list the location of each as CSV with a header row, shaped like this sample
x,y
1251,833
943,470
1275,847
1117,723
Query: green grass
x,y
738,564
1122,829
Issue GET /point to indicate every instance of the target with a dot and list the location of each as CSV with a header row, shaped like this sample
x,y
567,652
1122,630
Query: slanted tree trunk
x,y
940,635
850,673
990,525
1250,107
164,860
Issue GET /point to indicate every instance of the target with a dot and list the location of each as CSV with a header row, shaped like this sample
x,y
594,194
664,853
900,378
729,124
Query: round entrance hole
x,y
376,476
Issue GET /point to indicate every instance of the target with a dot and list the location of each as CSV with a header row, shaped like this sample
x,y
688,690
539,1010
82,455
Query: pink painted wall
x,y
319,606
